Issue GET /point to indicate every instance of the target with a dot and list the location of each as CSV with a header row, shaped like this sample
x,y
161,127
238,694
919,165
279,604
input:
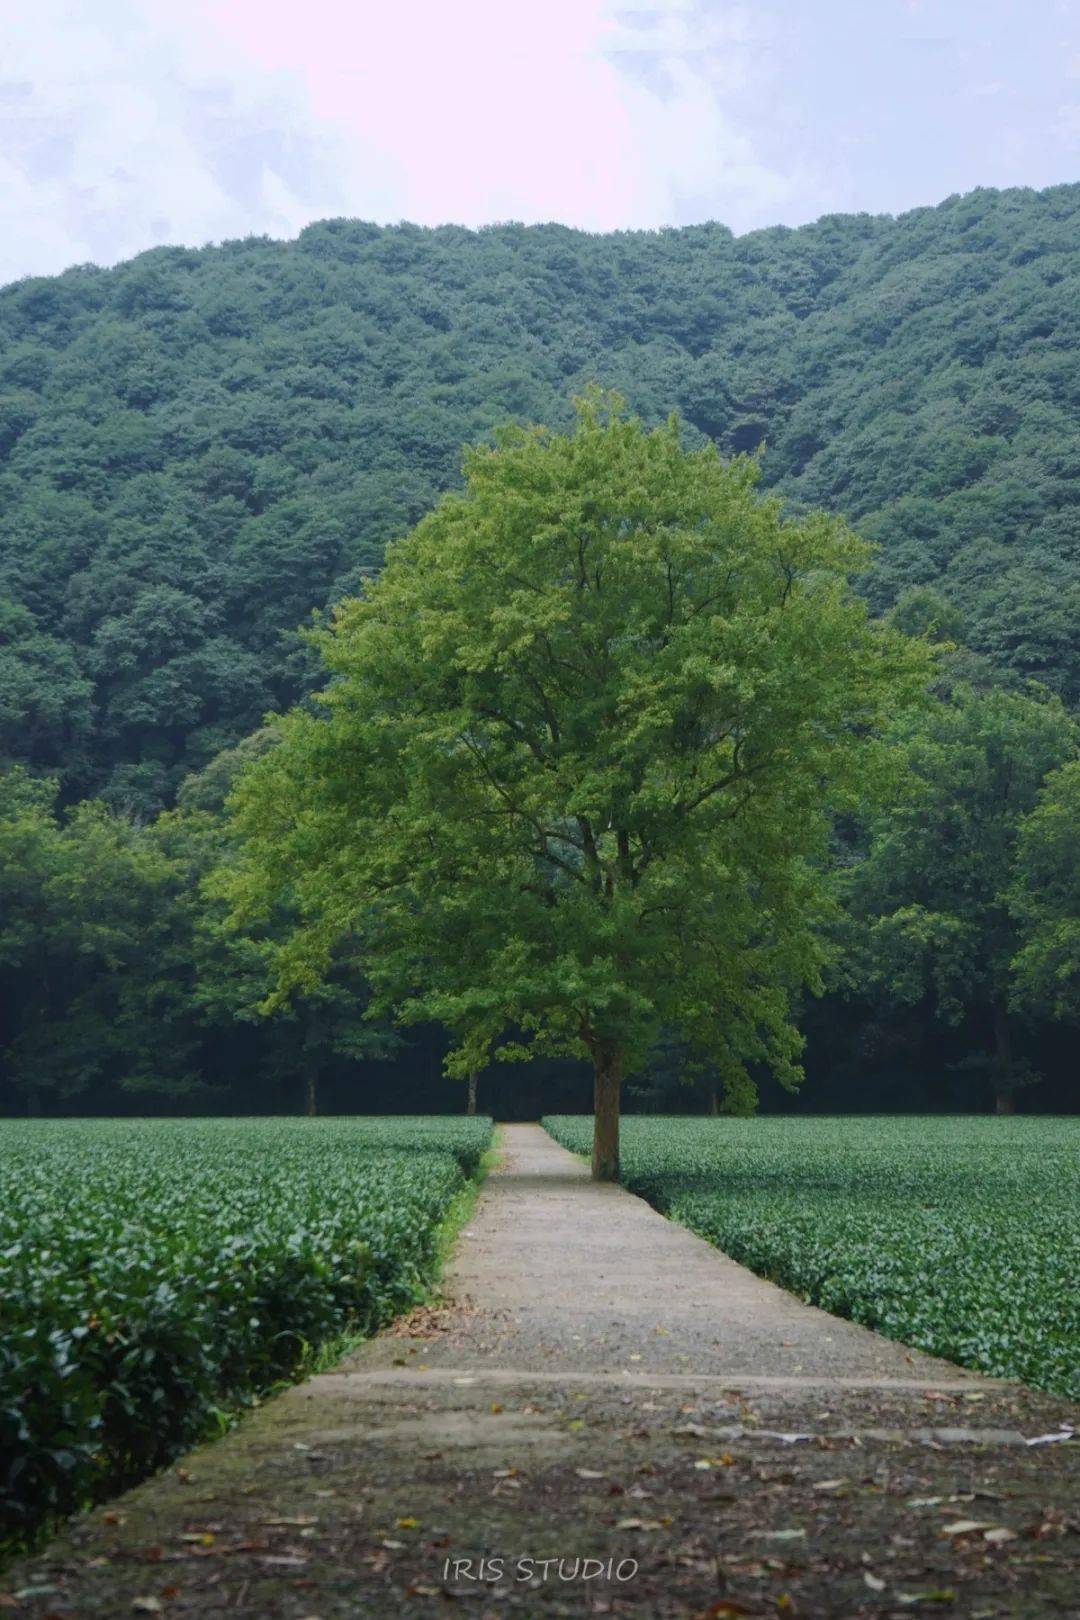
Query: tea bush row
x,y
154,1272
960,1236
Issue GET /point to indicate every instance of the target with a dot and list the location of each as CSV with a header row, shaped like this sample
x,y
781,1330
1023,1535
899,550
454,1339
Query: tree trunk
x,y
470,1106
311,1107
1004,1088
714,1102
607,1083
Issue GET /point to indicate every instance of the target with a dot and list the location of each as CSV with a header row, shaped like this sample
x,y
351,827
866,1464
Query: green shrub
x,y
154,1271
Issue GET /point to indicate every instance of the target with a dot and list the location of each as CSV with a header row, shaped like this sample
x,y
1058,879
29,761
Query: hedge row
x,y
155,1272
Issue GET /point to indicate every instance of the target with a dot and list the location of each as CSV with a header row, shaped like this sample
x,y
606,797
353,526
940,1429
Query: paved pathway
x,y
600,1385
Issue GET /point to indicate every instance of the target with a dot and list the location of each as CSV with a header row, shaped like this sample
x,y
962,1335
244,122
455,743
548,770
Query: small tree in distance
x,y
572,780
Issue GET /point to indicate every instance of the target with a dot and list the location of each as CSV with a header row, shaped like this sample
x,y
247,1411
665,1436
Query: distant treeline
x,y
199,448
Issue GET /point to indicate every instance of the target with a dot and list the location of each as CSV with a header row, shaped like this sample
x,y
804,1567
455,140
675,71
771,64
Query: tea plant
x,y
960,1236
153,1272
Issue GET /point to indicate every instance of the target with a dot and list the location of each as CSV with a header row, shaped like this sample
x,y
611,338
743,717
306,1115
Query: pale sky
x,y
128,123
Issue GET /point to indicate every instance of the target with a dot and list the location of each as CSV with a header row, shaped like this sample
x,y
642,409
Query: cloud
x,y
118,132
135,122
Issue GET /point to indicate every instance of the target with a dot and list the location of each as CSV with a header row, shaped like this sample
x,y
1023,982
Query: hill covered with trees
x,y
197,448
200,448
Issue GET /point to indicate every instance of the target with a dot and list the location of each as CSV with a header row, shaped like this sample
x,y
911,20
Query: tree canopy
x,y
198,448
937,900
201,448
571,782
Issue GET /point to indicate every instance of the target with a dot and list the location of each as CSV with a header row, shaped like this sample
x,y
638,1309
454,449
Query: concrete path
x,y
601,1388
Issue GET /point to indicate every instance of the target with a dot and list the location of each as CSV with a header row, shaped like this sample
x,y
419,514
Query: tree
x,y
1046,899
572,776
937,928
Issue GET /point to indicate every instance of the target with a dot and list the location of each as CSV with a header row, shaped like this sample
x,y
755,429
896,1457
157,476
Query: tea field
x,y
960,1236
154,1273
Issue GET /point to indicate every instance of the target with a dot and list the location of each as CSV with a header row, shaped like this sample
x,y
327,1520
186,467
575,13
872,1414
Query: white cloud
x,y
118,133
134,122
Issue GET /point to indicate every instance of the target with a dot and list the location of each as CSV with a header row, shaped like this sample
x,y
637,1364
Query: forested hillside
x,y
198,449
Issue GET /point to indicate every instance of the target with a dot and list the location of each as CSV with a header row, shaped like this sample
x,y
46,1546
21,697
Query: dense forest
x,y
201,449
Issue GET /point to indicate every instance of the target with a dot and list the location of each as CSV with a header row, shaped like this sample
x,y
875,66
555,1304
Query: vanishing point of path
x,y
599,1384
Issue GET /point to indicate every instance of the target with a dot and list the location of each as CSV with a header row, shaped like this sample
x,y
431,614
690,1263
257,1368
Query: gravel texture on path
x,y
603,1415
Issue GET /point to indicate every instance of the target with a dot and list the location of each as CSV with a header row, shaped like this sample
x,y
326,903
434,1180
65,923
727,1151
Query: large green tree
x,y
935,902
1046,899
570,782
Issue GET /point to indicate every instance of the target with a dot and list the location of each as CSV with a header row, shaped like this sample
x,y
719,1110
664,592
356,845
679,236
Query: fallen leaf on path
x,y
639,1524
1064,1433
147,1605
408,1523
999,1534
965,1527
957,1496
588,1473
300,1519
944,1594
872,1582
830,1484
781,1535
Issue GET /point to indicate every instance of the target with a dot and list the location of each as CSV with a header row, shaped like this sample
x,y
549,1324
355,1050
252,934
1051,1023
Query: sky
x,y
125,124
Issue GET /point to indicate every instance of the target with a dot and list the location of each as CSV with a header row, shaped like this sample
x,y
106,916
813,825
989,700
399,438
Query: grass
x,y
959,1236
